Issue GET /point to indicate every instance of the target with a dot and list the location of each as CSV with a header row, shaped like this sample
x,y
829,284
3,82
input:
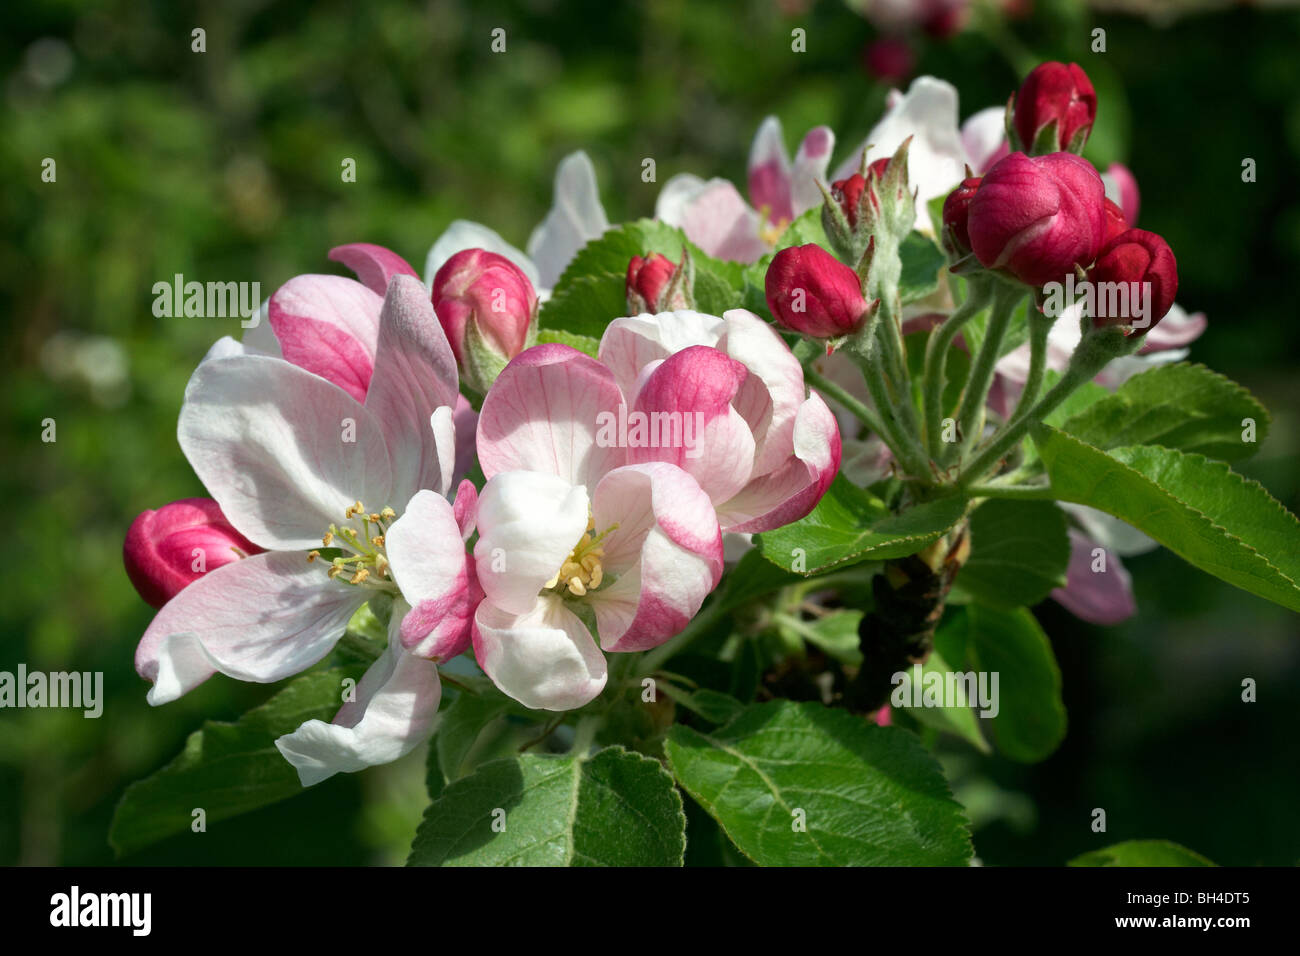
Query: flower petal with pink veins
x,y
328,325
793,490
714,216
428,563
283,452
666,552
543,415
465,508
395,710
752,342
415,374
685,406
810,168
374,265
528,522
1174,331
629,344
1099,597
258,619
544,658
769,172
576,217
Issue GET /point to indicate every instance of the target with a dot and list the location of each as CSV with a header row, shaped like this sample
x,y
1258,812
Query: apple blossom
x,y
771,449
811,292
290,457
488,309
574,537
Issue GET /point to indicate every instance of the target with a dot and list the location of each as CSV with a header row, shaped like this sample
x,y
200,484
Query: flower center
x,y
768,230
581,571
361,559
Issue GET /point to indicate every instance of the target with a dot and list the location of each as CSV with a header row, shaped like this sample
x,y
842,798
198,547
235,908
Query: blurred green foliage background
x,y
225,165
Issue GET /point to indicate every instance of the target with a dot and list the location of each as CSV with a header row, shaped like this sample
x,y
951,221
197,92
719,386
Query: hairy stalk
x,y
936,359
1039,326
970,414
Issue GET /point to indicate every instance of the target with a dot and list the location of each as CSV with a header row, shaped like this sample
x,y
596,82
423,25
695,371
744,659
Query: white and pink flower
x,y
288,454
575,537
769,448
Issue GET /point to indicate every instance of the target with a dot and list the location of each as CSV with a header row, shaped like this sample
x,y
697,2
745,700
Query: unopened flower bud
x,y
811,292
956,213
1140,267
488,309
1055,108
1037,218
1115,221
167,549
657,284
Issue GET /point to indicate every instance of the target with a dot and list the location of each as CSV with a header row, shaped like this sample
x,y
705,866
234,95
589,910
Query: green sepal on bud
x,y
482,361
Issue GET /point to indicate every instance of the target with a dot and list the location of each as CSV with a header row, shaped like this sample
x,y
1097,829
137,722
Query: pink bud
x,y
889,59
811,292
167,549
1039,217
489,289
1055,91
1136,257
1115,221
956,212
1125,186
646,281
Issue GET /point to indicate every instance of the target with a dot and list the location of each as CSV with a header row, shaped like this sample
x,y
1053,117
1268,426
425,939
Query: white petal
x,y
283,451
258,619
463,234
428,563
629,344
576,217
545,658
395,710
528,523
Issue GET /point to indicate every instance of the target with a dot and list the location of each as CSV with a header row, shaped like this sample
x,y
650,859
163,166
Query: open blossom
x,y
570,529
167,549
1037,218
715,216
298,463
769,449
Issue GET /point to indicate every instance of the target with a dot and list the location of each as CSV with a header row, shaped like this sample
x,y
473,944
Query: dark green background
x,y
225,166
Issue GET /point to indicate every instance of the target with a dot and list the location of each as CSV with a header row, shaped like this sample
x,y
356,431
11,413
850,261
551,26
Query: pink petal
x,y
395,710
543,414
685,406
328,325
1175,330
1098,597
770,173
415,374
630,344
430,567
282,451
544,658
793,490
810,168
771,416
374,265
666,551
259,619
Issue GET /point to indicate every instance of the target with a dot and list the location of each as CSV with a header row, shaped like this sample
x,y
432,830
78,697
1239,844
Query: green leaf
x,y
1030,721
1019,552
869,795
1209,516
835,634
615,808
1181,406
583,343
806,228
922,260
850,524
959,719
592,292
713,706
459,728
753,577
227,768
1142,853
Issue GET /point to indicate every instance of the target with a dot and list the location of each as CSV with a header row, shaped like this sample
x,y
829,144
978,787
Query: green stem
x,y
1039,326
654,659
891,332
936,359
860,410
907,450
970,414
1024,492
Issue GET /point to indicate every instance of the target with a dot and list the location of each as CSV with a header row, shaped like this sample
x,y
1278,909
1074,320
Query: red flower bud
x,y
956,211
848,192
811,292
1144,261
1039,217
1060,92
889,59
493,292
1115,221
167,549
646,281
